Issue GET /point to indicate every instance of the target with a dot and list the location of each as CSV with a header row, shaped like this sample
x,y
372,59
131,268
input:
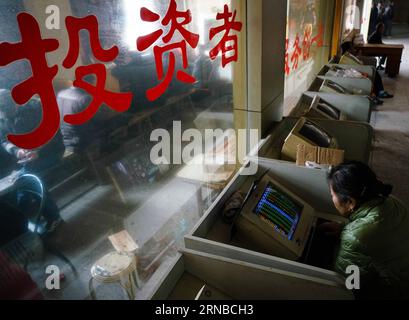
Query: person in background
x,y
72,101
376,236
388,18
137,73
376,38
380,9
19,121
8,124
378,89
373,20
309,19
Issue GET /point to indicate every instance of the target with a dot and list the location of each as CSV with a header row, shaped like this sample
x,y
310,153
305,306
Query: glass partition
x,y
116,175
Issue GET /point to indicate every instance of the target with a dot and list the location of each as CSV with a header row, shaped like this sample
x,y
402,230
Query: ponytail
x,y
383,189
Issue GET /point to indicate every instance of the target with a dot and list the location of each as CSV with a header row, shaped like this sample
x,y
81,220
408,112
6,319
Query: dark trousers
x,y
378,83
388,28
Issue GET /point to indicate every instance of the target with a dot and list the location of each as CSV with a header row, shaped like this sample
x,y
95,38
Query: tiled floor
x,y
390,158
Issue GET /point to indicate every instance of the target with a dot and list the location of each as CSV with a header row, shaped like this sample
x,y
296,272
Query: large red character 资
x,y
177,20
117,101
230,23
33,48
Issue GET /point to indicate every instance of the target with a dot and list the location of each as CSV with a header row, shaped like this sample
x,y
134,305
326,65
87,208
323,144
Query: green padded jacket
x,y
377,241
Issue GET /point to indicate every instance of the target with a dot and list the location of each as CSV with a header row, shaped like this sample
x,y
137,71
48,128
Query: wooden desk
x,y
392,51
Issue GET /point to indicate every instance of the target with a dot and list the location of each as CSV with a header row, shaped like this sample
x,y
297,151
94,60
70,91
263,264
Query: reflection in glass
x,y
99,177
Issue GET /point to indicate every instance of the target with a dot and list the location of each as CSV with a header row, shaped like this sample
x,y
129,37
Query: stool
x,y
115,267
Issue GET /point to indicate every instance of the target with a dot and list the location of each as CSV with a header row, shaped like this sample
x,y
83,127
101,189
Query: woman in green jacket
x,y
376,238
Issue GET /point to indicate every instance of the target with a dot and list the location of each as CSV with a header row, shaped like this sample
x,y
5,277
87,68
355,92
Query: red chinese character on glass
x,y
117,101
306,44
287,63
176,20
33,48
297,52
319,38
229,23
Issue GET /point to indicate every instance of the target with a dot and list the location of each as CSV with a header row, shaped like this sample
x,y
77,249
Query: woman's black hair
x,y
355,180
379,27
346,46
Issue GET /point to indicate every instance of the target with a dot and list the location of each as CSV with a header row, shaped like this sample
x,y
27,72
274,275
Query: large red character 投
x,y
229,24
177,20
33,48
117,101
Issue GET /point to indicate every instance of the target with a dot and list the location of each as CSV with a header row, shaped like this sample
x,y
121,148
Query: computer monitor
x,y
276,220
306,132
329,86
320,109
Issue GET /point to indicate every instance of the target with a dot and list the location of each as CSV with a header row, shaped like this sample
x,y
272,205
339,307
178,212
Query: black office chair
x,y
32,186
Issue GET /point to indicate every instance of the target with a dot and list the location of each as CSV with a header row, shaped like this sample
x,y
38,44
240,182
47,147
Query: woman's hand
x,y
332,229
25,155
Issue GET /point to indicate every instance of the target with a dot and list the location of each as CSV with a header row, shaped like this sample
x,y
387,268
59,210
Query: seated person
x,y
376,239
210,76
379,89
15,282
22,120
72,101
137,73
376,38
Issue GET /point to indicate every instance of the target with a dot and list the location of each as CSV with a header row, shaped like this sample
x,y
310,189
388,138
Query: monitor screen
x,y
329,110
337,87
279,210
316,135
